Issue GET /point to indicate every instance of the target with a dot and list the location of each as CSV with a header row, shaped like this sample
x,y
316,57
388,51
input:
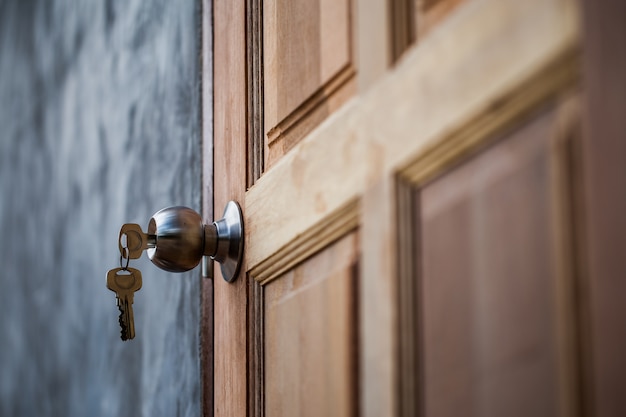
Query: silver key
x,y
125,282
136,240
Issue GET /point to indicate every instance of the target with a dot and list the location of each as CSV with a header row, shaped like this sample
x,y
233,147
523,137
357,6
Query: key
x,y
125,282
136,240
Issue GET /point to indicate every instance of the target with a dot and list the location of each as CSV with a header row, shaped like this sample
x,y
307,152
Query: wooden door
x,y
411,183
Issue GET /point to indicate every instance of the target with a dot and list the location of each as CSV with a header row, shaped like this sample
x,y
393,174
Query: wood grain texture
x,y
310,336
605,179
562,72
438,88
311,113
333,227
256,133
409,315
373,47
416,115
308,67
256,349
378,302
489,291
230,123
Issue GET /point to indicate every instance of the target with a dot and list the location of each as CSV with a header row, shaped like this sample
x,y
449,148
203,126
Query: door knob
x,y
177,239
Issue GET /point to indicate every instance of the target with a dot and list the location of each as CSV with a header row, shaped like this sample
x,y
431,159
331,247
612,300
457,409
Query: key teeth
x,y
124,332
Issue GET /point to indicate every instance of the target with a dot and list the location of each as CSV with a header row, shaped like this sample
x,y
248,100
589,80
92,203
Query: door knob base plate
x,y
230,239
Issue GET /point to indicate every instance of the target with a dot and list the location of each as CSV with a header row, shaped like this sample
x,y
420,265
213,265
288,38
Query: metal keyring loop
x,y
124,254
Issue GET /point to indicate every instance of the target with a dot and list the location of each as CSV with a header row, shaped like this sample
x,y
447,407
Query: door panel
x,y
489,282
308,67
309,335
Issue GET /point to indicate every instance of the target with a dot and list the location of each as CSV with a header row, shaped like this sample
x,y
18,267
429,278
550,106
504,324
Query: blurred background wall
x,y
99,117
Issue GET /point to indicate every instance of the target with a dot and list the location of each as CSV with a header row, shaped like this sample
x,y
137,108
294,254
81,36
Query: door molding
x,y
331,228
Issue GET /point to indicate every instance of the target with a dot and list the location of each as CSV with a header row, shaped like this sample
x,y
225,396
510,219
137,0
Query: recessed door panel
x,y
308,68
309,335
489,294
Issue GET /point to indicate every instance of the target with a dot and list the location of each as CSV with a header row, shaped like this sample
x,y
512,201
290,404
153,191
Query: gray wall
x,y
99,125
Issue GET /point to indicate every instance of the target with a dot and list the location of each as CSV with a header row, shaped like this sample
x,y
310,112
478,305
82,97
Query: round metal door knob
x,y
182,239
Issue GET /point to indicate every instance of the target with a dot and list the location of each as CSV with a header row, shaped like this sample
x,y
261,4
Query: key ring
x,y
124,254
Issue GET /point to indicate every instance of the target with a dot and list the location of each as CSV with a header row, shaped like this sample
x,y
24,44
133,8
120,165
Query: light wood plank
x,y
305,245
306,44
378,302
438,88
229,83
373,47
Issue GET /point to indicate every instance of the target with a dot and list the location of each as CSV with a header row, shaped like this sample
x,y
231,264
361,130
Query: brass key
x,y
125,282
136,240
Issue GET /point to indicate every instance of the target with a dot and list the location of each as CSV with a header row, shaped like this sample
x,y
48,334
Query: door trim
x,y
331,228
